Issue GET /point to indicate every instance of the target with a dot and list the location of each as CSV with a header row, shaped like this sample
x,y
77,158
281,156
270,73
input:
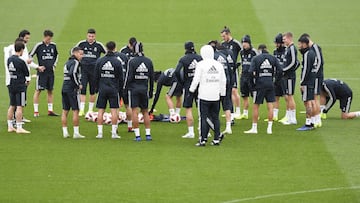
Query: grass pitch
x,y
318,166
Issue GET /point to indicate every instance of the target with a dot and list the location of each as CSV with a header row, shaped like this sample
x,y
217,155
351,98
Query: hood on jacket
x,y
207,52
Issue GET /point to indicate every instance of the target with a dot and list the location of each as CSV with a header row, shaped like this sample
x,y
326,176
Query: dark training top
x,y
18,70
188,63
47,55
246,56
71,75
91,52
139,75
308,70
235,47
291,62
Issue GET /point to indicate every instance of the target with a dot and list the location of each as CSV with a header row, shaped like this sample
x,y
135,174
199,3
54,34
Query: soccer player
x,y
18,72
235,47
291,63
47,56
318,81
92,51
108,83
279,85
264,68
307,81
124,59
188,63
70,92
226,100
168,79
140,85
246,54
332,90
209,75
128,49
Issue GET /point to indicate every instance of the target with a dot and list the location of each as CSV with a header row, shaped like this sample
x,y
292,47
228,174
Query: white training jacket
x,y
209,77
9,51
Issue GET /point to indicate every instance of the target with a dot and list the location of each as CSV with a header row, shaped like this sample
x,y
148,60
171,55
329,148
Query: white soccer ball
x,y
107,120
94,116
88,116
141,118
175,118
122,117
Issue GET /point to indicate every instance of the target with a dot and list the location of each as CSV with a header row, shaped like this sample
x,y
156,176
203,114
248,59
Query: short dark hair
x,y
91,31
303,39
262,48
19,46
48,33
76,49
23,33
111,46
19,39
305,35
226,30
132,41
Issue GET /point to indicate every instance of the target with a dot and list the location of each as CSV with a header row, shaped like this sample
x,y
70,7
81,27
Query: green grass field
x,y
318,166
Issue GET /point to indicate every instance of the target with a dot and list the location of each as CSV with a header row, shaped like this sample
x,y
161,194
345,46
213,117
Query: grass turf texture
x,y
44,167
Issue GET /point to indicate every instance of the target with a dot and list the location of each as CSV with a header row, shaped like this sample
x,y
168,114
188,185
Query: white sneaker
x,y
188,135
289,122
22,131
99,136
227,131
66,135
115,136
251,131
269,131
78,136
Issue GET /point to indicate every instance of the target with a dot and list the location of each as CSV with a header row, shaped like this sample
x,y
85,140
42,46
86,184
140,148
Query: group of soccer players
x,y
129,76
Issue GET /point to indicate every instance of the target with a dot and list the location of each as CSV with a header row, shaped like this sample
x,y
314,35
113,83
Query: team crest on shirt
x,y
95,49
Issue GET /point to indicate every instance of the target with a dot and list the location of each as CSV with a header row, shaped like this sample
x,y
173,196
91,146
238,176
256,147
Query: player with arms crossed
x,y
92,51
18,71
70,92
140,85
188,63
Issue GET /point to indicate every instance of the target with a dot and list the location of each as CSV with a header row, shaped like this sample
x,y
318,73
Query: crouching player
x,y
70,92
168,79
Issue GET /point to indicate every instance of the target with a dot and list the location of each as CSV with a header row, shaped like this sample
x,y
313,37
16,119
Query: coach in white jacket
x,y
210,80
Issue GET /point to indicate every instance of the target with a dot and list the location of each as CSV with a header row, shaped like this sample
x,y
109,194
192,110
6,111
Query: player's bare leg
x,y
100,121
82,104
235,97
245,114
19,123
114,125
129,118
145,112
190,124
170,104
10,115
50,100
255,116
92,99
36,102
64,115
178,104
270,108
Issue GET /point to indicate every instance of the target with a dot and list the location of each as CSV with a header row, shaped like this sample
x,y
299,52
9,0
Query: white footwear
x,y
66,135
99,136
115,136
269,131
78,136
188,135
11,129
227,131
26,120
22,131
289,122
251,131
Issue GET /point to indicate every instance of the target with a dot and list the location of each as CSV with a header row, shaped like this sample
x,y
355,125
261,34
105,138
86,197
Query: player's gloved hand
x,y
151,111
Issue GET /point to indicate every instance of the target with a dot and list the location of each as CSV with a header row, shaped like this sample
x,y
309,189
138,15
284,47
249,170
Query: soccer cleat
x,y
221,137
274,119
130,130
99,136
22,131
51,113
323,115
26,120
78,136
227,131
237,116
148,138
269,131
188,135
244,116
81,113
215,143
251,131
137,139
115,136
285,119
11,129
66,135
318,125
36,114
289,122
305,128
232,122
200,144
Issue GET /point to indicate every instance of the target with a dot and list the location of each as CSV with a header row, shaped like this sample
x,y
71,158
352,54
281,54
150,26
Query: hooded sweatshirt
x,y
209,77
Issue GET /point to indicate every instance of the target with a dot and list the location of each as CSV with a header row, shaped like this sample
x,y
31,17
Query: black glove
x,y
151,111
